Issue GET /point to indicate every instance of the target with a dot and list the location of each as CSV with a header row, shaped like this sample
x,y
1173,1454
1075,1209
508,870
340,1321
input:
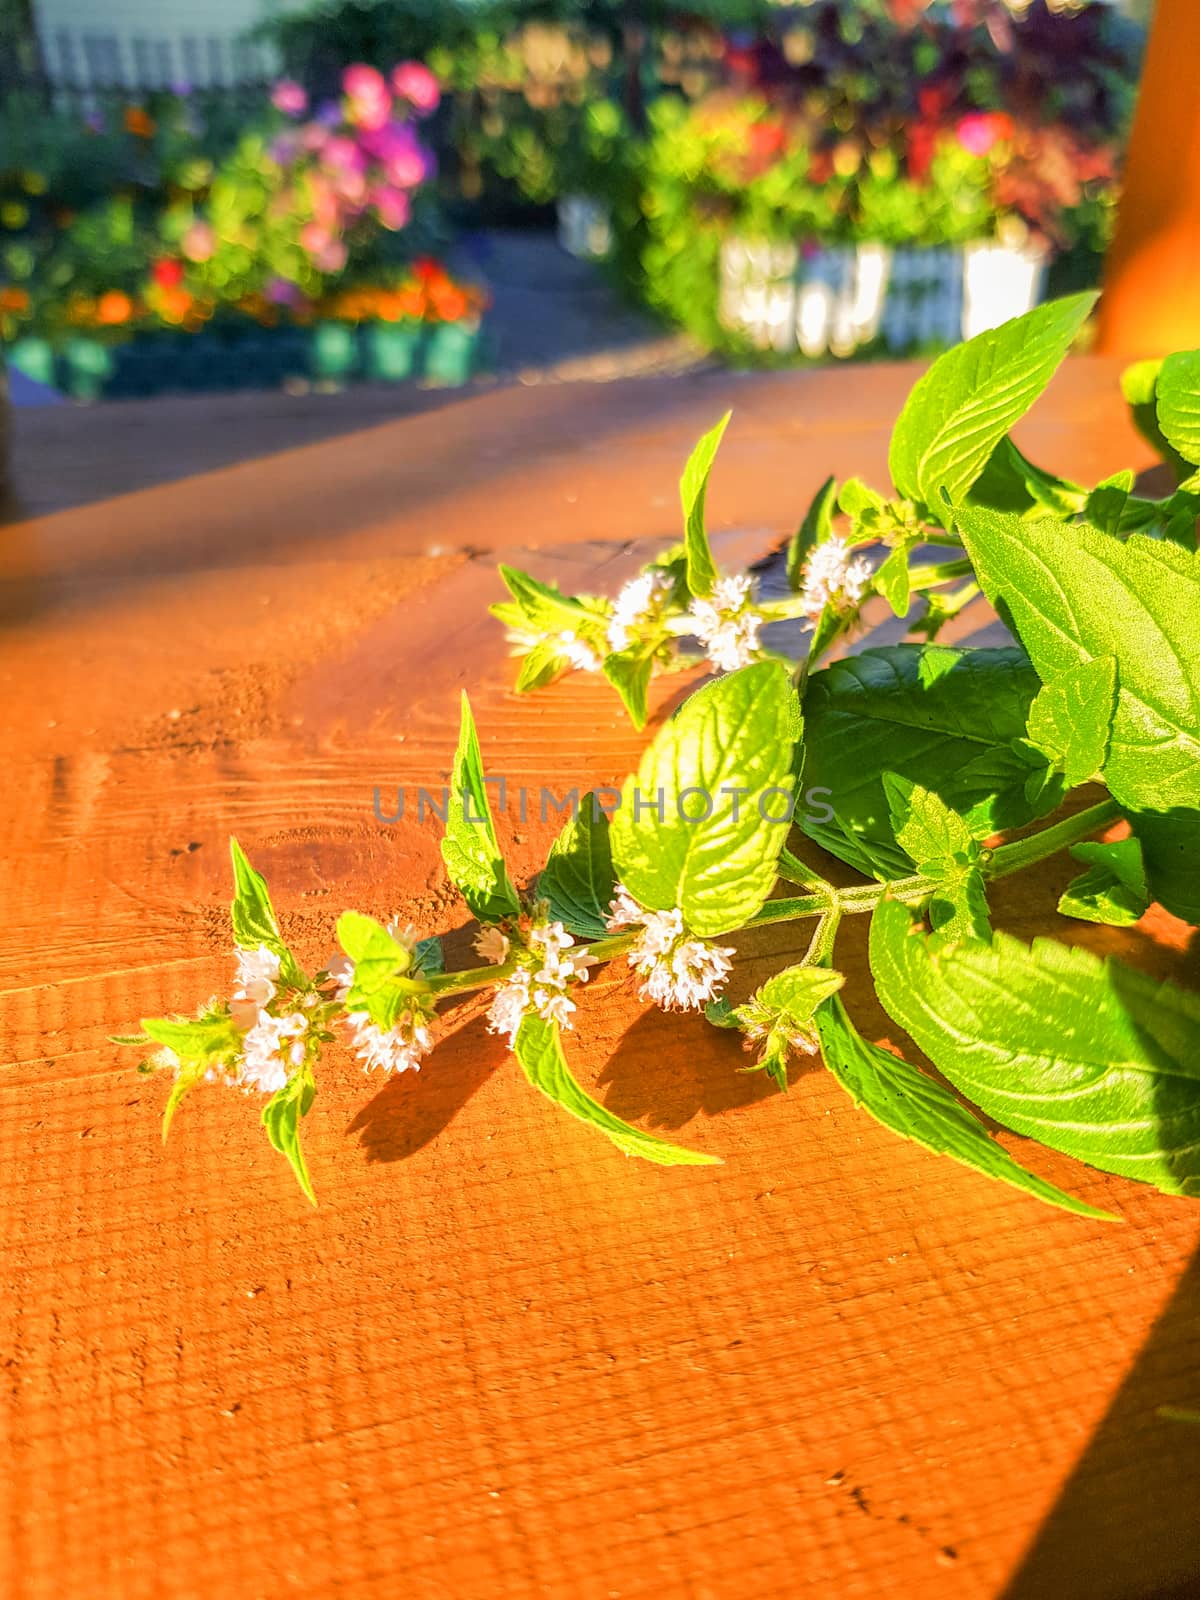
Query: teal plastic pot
x,y
391,350
333,353
450,353
33,357
89,365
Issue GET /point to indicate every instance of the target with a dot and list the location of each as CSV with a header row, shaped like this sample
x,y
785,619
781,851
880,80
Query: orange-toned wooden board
x,y
501,1359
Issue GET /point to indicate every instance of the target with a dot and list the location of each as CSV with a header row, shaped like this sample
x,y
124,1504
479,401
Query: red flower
x,y
167,273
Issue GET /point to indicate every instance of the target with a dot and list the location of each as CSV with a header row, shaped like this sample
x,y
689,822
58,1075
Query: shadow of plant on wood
x,y
1088,1548
414,1107
664,1072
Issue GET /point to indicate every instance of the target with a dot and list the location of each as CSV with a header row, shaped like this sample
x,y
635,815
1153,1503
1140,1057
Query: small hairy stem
x,y
1009,858
829,905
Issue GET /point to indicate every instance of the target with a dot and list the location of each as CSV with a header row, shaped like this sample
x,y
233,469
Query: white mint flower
x,y
832,578
727,624
491,945
509,1005
257,975
272,1049
541,989
578,652
395,1049
567,643
639,605
678,971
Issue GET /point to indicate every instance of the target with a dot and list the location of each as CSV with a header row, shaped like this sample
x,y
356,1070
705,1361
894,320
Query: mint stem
x,y
831,904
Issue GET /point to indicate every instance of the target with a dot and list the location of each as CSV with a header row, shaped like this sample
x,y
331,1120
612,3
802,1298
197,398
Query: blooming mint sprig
x,y
835,578
544,963
679,972
640,608
728,621
389,1009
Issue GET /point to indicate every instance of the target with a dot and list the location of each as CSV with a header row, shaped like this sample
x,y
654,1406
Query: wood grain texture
x,y
501,1359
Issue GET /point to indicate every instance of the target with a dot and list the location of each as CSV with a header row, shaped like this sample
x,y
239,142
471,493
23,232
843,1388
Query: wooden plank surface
x,y
501,1359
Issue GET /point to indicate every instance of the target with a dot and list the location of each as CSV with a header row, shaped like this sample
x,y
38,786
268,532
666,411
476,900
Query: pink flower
x,y
289,97
199,242
392,207
315,237
979,131
332,258
342,152
416,84
368,98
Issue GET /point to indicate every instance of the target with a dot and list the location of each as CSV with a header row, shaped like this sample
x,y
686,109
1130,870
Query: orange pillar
x,y
1151,302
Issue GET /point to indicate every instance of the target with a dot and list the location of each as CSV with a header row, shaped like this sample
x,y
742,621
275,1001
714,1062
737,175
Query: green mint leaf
x,y
942,717
1011,482
376,955
1071,718
578,878
971,397
721,1014
1114,890
253,916
1087,1056
856,499
281,1118
211,1040
542,605
909,1102
936,839
629,671
814,530
469,849
1139,385
1178,400
428,958
1074,595
543,664
1170,844
693,489
539,1050
681,837
892,580
796,992
958,909
1106,504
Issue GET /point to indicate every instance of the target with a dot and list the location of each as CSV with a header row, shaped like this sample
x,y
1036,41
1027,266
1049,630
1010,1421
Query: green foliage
x,y
1088,1056
907,1101
681,838
693,490
923,755
281,1118
538,1048
577,879
1074,596
469,849
969,399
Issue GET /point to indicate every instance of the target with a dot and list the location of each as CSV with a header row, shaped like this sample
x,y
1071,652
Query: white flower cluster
x,y
577,651
831,578
273,1046
639,606
399,1048
679,972
727,623
539,985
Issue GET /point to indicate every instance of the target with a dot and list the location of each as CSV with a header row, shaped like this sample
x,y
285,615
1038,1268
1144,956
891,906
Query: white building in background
x,y
154,44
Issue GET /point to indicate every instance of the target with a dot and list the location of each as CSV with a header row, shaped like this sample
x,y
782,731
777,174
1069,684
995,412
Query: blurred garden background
x,y
252,195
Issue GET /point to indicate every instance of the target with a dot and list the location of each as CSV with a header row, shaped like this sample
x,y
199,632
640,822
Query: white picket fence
x,y
783,297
